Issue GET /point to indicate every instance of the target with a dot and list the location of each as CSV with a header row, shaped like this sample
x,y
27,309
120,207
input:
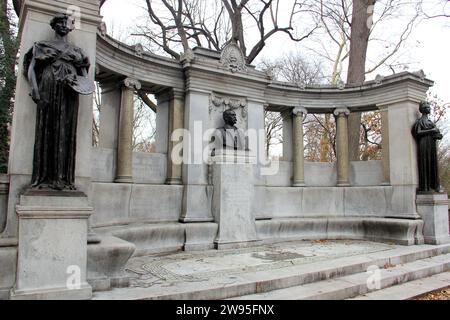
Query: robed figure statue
x,y
57,72
426,133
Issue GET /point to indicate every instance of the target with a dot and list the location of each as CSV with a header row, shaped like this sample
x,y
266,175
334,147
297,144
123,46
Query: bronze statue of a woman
x,y
426,133
57,72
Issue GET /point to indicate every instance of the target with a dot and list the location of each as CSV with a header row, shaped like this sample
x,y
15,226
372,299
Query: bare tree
x,y
273,126
297,69
182,24
441,9
348,28
97,97
144,126
144,121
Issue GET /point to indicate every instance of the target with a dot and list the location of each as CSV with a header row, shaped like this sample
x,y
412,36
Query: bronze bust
x,y
229,136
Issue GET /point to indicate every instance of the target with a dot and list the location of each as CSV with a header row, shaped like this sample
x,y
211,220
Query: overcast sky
x,y
429,42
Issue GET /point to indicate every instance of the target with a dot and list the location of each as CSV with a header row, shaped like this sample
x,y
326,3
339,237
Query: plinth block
x,y
232,199
52,250
433,208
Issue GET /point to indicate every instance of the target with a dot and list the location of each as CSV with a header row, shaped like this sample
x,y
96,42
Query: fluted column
x,y
299,152
385,146
124,173
342,146
176,121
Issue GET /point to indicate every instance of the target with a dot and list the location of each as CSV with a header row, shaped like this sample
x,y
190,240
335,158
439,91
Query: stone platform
x,y
248,273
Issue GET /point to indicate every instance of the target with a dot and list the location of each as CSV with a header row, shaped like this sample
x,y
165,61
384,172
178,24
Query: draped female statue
x,y
426,133
57,72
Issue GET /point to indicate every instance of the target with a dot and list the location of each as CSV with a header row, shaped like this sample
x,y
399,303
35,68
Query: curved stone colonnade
x,y
297,189
152,204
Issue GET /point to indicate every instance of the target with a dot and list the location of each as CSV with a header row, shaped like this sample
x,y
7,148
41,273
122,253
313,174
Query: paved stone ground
x,y
202,266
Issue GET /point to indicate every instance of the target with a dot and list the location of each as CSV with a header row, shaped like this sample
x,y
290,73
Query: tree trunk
x,y
359,39
7,81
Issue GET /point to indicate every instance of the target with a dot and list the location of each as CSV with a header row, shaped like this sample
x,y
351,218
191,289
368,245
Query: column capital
x,y
299,111
177,93
131,83
341,111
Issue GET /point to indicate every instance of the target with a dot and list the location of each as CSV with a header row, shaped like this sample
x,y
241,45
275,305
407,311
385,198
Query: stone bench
x,y
398,231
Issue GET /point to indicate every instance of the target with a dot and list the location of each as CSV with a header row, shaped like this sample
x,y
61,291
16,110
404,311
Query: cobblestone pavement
x,y
205,265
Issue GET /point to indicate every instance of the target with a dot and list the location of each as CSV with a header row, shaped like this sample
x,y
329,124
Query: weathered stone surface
x,y
155,203
366,173
106,263
260,270
150,168
125,203
52,251
111,203
233,197
197,204
200,236
8,263
366,201
433,209
277,202
323,201
399,231
320,174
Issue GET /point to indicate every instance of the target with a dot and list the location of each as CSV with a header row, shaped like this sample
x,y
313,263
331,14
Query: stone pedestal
x,y
232,199
52,251
433,208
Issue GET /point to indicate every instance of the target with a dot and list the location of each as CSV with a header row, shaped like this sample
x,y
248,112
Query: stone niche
x,y
220,102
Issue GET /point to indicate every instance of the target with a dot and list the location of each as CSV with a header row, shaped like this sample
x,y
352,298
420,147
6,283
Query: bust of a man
x,y
229,136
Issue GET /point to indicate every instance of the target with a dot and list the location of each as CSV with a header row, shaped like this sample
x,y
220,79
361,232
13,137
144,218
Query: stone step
x,y
409,290
225,286
357,284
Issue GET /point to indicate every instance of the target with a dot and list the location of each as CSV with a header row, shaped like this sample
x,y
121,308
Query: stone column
x,y
124,173
342,146
385,146
299,156
176,121
109,114
288,144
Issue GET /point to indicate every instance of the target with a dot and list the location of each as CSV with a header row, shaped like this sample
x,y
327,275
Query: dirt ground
x,y
443,294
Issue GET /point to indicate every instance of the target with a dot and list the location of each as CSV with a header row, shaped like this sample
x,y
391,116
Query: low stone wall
x,y
398,231
116,203
287,202
317,174
148,168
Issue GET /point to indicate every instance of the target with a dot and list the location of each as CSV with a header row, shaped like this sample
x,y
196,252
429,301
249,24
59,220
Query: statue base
x,y
232,199
52,250
433,208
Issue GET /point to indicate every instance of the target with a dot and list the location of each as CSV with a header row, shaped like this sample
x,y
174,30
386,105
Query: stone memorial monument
x,y
431,202
233,186
53,216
